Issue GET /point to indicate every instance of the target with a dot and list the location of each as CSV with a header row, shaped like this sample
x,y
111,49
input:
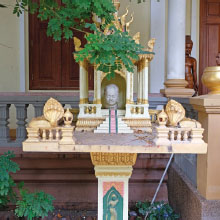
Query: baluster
x,y
172,135
87,110
44,136
38,109
57,134
50,134
178,135
21,116
4,116
185,136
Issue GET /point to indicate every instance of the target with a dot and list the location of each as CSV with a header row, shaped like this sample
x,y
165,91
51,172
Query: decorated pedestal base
x,y
113,171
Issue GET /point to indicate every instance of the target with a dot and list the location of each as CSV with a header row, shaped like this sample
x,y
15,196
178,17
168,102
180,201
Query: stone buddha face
x,y
111,94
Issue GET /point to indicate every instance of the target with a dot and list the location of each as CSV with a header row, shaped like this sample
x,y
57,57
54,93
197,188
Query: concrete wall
x,y
9,49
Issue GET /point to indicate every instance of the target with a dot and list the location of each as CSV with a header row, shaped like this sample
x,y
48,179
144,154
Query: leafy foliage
x,y
109,52
7,166
29,205
32,205
156,211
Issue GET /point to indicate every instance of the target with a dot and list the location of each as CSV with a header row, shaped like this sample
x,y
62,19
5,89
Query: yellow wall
x,y
9,50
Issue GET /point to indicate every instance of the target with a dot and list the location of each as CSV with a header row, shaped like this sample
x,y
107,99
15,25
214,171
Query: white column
x,y
158,31
145,83
98,101
176,39
95,86
176,82
128,85
195,29
139,98
83,83
132,88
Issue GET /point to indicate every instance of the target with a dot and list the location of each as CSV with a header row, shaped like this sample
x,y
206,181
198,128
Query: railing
x,y
21,102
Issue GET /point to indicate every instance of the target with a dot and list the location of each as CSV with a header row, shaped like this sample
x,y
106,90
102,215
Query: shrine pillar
x,y
145,81
176,83
128,85
140,80
113,171
83,84
208,179
132,88
97,87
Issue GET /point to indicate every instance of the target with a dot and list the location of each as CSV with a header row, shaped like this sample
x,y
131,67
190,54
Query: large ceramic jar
x,y
211,79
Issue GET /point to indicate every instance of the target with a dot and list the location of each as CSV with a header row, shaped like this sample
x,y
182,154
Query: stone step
x,y
119,125
122,127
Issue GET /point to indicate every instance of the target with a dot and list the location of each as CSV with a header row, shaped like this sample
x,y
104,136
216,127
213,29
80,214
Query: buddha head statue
x,y
111,94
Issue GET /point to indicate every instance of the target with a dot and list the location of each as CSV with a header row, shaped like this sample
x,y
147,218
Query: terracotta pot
x,y
211,79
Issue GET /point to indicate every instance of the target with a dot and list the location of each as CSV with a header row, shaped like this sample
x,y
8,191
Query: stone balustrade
x,y
168,135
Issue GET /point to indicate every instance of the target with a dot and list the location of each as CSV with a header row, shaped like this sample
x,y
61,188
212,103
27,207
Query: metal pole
x,y
161,180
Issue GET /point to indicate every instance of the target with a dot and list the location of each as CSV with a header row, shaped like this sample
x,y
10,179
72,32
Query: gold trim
x,y
83,101
139,100
98,173
144,101
116,159
135,123
98,101
84,64
128,101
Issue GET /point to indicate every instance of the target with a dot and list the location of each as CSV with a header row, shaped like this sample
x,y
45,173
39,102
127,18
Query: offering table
x,y
113,156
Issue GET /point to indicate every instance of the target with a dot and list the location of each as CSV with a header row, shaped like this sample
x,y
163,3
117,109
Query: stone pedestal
x,y
208,180
176,83
113,171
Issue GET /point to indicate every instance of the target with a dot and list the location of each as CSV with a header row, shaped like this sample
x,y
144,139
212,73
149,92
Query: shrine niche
x,y
120,82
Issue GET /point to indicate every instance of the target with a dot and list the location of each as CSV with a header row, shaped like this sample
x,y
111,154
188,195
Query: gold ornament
x,y
129,23
175,112
116,159
77,43
68,118
123,17
39,122
136,38
162,118
150,44
53,111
